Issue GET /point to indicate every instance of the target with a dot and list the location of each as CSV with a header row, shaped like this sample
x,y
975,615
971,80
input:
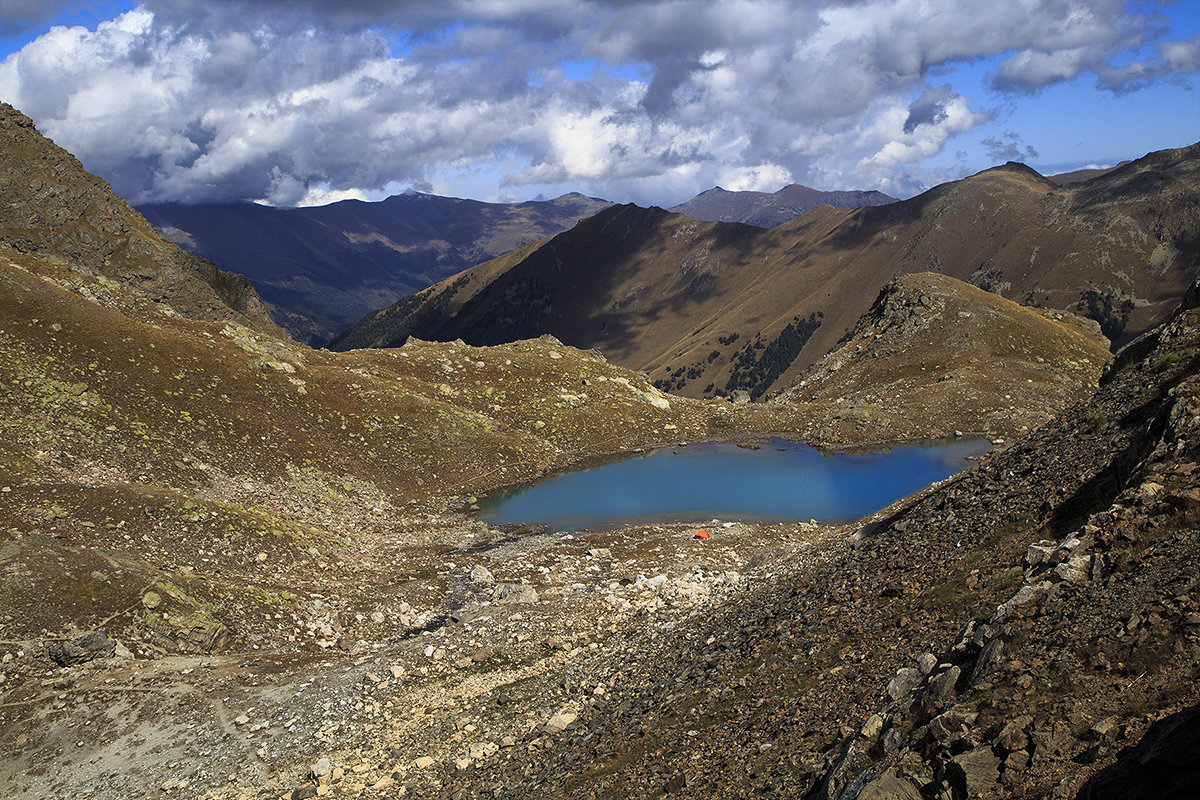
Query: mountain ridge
x,y
51,207
683,299
324,267
768,209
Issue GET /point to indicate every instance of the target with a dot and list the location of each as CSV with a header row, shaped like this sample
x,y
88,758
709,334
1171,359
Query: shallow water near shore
x,y
779,481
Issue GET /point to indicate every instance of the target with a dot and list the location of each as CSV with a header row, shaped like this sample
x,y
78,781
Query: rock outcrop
x,y
941,356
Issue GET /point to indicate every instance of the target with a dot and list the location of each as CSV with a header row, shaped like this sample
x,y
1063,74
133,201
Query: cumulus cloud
x,y
1008,148
305,100
929,108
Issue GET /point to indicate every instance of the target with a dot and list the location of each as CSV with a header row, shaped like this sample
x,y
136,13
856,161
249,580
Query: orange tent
x,y
701,534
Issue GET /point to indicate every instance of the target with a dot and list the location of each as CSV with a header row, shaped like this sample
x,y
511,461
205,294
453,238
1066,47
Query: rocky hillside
x,y
323,268
939,356
768,209
51,208
210,504
183,494
1028,629
712,308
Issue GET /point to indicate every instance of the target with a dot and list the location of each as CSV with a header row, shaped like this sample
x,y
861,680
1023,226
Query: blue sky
x,y
650,101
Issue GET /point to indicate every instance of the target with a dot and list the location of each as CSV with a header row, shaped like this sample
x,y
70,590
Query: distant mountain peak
x,y
768,209
326,266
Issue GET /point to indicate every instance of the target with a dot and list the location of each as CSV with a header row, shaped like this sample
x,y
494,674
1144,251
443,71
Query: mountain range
x,y
711,308
768,209
323,268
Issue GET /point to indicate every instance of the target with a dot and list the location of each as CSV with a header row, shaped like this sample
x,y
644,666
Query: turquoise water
x,y
779,482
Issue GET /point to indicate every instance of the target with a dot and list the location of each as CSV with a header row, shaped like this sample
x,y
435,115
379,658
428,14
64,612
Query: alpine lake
x,y
774,481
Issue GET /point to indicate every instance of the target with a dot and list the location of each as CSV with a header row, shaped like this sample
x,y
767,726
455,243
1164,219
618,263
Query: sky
x,y
305,102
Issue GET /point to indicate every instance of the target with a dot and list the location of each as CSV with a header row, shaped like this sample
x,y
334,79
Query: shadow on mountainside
x,y
1164,765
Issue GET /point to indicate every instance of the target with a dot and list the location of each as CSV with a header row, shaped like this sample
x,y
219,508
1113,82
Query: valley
x,y
234,567
322,269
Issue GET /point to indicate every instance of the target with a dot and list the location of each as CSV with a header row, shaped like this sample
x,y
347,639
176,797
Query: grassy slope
x,y
934,353
177,450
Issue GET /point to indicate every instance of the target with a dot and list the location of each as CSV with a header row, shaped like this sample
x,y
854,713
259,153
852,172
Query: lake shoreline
x,y
764,480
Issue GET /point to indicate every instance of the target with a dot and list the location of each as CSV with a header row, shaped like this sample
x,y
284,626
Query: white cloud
x,y
295,101
758,178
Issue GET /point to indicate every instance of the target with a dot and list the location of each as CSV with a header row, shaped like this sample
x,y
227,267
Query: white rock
x,y
560,721
321,771
872,727
655,583
1077,570
514,593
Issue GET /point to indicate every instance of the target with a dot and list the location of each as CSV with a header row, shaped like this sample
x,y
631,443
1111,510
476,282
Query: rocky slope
x,y
939,356
323,268
712,308
50,207
1028,629
768,209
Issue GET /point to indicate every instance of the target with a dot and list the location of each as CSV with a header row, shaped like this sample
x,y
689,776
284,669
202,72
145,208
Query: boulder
x,y
79,651
889,787
481,575
975,771
946,727
989,657
907,679
941,688
560,721
514,594
321,771
1077,569
871,729
1012,736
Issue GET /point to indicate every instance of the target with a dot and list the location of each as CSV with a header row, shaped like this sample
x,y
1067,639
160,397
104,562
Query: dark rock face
x,y
79,651
1165,764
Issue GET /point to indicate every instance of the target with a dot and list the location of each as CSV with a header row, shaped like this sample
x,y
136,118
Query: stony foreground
x,y
1029,628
